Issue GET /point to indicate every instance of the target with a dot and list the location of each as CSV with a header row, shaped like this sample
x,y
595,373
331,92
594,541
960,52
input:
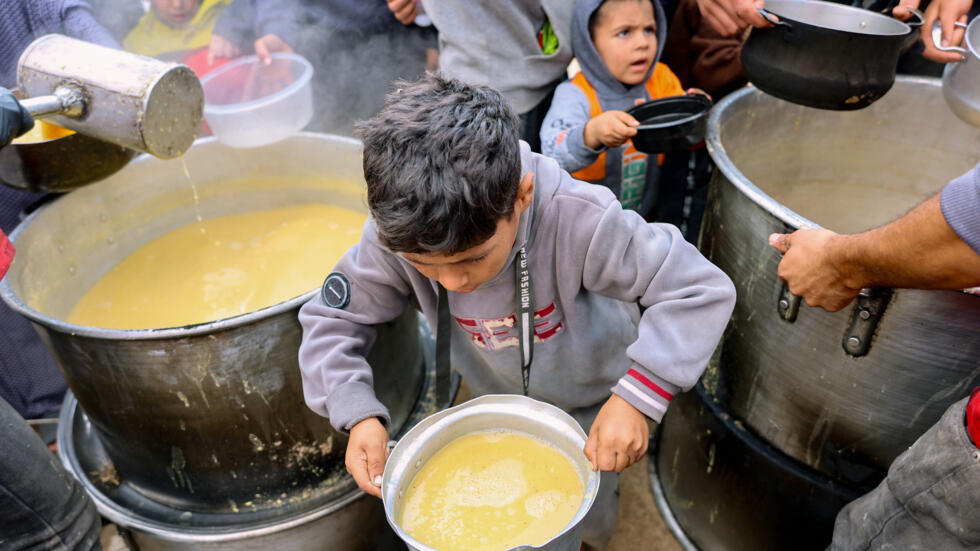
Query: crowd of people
x,y
563,192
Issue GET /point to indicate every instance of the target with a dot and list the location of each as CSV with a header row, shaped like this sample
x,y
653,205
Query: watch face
x,y
336,290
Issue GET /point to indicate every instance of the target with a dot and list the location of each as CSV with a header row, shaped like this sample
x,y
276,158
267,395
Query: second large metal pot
x,y
825,55
792,372
207,418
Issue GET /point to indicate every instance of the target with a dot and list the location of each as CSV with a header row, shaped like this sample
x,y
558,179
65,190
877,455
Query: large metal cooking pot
x,y
208,418
844,392
826,55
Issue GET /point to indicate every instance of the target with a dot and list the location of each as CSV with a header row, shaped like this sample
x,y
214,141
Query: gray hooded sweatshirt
x,y
494,43
590,264
635,181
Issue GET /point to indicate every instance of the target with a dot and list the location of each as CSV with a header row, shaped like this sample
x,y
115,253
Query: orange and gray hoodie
x,y
632,176
592,265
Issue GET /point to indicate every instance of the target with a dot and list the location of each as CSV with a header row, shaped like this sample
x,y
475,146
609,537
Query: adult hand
x,y
696,91
902,11
367,451
14,119
618,438
948,13
731,17
269,44
611,129
810,268
404,10
221,47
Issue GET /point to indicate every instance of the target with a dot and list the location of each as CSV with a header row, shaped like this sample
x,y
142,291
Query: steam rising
x,y
357,48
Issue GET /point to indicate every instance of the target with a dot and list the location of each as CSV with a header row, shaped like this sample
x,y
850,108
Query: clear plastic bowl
x,y
249,104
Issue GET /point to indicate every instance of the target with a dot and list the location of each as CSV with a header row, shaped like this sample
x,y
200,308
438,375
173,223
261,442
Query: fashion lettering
x,y
501,333
525,282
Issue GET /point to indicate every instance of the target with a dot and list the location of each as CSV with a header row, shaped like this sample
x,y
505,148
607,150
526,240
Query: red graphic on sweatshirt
x,y
6,253
561,137
501,333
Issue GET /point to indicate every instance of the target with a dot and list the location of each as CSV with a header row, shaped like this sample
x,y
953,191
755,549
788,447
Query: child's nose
x,y
453,280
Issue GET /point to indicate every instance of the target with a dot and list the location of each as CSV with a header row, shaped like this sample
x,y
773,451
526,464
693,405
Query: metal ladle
x,y
119,97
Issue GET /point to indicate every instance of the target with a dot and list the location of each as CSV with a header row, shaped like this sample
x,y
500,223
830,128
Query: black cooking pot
x,y
60,165
670,124
826,55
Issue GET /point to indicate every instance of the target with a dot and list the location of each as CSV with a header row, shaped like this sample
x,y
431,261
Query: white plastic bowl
x,y
249,104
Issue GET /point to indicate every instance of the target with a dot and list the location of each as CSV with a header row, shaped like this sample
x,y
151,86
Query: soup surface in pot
x,y
221,267
492,490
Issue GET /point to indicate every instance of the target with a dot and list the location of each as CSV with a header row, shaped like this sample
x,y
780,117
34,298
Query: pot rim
x,y
15,303
901,28
716,149
702,101
724,163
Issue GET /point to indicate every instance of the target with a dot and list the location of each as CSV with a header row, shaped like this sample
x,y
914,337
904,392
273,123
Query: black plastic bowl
x,y
670,124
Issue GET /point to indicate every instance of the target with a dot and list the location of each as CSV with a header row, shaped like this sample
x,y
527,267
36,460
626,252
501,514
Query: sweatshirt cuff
x,y
351,403
960,203
646,392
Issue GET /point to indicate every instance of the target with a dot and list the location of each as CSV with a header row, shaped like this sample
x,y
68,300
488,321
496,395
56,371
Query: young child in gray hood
x,y
457,200
587,130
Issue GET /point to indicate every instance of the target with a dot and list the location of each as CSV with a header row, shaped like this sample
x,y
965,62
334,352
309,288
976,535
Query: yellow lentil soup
x,y
491,491
221,267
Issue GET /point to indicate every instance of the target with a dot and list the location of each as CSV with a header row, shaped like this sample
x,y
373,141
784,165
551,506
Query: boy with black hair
x,y
458,202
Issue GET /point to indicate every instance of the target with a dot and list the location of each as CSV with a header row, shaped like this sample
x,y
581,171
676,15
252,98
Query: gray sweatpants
x,y
930,499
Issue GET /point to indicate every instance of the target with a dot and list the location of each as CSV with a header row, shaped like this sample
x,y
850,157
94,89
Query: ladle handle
x,y
937,38
67,100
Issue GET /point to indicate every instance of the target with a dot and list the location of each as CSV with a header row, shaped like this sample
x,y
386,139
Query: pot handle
x,y
937,38
918,15
788,305
869,307
772,18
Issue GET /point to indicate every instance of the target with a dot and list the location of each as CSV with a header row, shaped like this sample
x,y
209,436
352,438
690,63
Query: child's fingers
x,y
376,455
627,119
591,448
609,459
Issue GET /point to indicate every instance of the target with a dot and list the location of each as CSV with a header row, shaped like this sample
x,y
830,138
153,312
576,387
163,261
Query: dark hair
x,y
594,16
442,163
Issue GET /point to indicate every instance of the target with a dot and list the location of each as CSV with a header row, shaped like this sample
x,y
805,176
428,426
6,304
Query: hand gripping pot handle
x,y
937,39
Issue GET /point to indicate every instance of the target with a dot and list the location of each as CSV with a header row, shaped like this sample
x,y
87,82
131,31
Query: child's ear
x,y
525,192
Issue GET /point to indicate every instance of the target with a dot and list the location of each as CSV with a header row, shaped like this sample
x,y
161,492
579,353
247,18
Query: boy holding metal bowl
x,y
619,314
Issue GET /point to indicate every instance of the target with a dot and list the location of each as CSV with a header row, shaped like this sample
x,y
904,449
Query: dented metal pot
x,y
843,392
206,418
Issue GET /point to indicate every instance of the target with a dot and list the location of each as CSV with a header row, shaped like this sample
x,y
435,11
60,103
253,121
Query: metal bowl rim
x,y
902,28
447,417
